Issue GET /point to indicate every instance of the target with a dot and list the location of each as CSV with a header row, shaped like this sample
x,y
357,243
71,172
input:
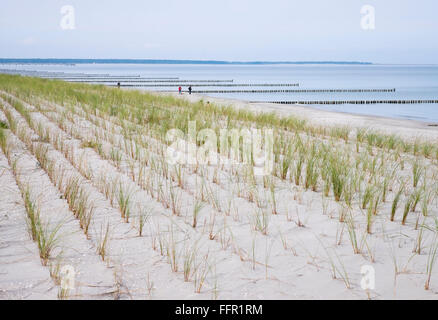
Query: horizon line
x,y
164,61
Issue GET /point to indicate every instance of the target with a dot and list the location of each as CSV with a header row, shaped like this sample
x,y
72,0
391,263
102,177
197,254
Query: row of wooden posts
x,y
154,81
352,102
212,85
110,79
293,90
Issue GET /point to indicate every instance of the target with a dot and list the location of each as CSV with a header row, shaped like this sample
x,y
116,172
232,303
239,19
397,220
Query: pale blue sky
x,y
406,30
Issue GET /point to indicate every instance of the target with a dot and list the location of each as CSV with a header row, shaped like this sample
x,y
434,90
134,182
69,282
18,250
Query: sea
x,y
404,82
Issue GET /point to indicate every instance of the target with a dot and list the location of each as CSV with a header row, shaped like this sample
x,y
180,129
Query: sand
x,y
306,253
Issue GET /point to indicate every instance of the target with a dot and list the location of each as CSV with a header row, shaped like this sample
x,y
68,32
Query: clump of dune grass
x,y
63,293
11,120
370,219
149,285
367,196
4,125
33,213
172,250
47,239
396,201
407,208
273,197
338,176
431,259
83,166
174,199
189,261
260,220
298,166
196,210
5,143
103,241
55,269
416,196
201,273
116,157
124,201
337,269
108,186
142,218
417,171
211,225
351,227
420,235
179,175
360,137
285,162
312,169
427,199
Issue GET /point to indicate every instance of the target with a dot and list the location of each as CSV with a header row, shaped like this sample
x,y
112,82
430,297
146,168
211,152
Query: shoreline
x,y
411,129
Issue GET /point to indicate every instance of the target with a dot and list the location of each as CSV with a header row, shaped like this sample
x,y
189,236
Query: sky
x,y
405,31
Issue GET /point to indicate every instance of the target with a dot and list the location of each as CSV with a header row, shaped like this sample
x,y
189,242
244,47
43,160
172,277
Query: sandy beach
x,y
340,216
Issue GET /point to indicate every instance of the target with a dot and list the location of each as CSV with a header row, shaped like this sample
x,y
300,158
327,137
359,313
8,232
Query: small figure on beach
x,y
179,89
118,85
190,90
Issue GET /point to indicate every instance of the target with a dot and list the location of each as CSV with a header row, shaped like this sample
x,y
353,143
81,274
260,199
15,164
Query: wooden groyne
x,y
293,90
352,102
89,77
212,85
163,81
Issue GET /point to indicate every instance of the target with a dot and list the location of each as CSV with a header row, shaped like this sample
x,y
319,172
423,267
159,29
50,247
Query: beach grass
x,y
115,144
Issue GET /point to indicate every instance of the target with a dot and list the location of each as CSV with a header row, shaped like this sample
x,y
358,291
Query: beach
x,y
347,211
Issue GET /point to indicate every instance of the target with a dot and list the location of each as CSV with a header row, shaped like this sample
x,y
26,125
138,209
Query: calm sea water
x,y
412,82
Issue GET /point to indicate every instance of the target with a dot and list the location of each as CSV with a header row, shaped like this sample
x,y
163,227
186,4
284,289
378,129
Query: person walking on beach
x,y
190,90
118,85
179,89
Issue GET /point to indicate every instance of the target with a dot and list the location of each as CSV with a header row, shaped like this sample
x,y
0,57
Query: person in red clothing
x,y
179,89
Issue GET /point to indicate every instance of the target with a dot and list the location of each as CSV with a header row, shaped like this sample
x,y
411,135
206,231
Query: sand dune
x,y
92,163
